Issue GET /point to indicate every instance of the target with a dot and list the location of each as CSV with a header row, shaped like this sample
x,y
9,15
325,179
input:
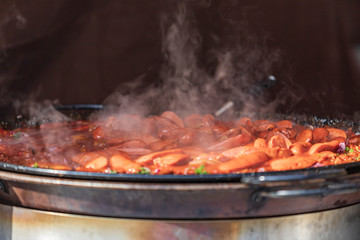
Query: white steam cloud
x,y
190,86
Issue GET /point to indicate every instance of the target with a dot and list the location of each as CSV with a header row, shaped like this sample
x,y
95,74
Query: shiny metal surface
x,y
172,200
27,224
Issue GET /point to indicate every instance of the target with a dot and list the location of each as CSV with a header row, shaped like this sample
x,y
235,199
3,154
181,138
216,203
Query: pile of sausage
x,y
167,144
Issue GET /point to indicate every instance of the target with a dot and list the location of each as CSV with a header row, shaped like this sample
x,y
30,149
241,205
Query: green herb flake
x,y
349,150
35,165
144,170
200,170
113,172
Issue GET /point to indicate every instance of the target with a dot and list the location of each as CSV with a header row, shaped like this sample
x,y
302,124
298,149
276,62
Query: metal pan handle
x,y
316,174
333,189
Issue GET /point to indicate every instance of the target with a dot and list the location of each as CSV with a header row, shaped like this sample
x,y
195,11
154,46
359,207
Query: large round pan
x,y
224,196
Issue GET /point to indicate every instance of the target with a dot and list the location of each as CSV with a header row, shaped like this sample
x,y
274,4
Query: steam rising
x,y
191,86
188,84
9,14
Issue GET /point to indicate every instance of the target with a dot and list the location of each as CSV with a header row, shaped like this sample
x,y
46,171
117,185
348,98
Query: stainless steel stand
x,y
28,224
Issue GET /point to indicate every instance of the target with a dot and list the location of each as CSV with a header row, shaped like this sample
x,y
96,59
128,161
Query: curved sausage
x,y
238,151
122,164
335,133
319,135
91,160
171,160
354,140
300,147
243,161
327,146
147,159
294,162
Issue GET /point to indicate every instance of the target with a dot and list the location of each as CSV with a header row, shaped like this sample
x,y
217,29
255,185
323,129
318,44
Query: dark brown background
x,y
80,51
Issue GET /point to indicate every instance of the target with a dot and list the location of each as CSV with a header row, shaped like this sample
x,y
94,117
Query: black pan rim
x,y
299,174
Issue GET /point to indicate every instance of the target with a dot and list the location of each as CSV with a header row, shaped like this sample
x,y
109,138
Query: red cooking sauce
x,y
167,144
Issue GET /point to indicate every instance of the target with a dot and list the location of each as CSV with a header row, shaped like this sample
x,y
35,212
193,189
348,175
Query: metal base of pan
x,y
26,224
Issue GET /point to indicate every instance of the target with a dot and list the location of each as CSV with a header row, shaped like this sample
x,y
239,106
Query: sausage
x,y
305,135
193,121
132,151
277,152
284,124
260,143
171,160
149,126
163,144
98,133
244,121
164,125
335,133
206,159
220,129
123,164
325,155
236,141
91,160
319,135
54,166
327,146
294,162
300,147
354,140
147,159
243,161
287,141
208,120
276,141
173,117
238,151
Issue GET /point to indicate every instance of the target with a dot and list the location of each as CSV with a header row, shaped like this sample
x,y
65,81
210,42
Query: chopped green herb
x,y
144,170
357,158
113,172
35,165
200,170
347,150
